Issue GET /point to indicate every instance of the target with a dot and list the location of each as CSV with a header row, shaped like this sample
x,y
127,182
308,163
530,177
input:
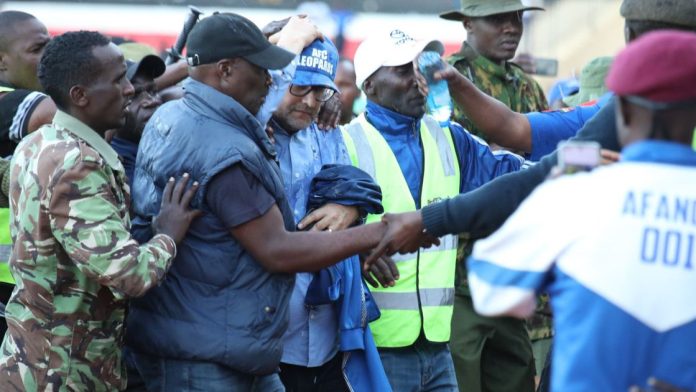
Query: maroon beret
x,y
659,66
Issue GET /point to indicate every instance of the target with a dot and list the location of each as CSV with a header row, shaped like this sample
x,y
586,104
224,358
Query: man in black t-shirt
x,y
23,108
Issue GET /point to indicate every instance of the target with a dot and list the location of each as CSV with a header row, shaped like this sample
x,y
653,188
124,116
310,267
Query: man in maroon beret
x,y
653,95
615,248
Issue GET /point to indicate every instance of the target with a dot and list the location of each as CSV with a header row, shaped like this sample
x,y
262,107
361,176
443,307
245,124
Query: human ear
x,y
467,23
369,87
623,113
225,67
78,96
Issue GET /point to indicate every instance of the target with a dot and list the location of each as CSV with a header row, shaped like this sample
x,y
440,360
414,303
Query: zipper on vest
x,y
420,196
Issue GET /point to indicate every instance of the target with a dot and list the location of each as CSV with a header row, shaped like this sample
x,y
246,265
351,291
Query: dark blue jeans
x,y
421,367
171,375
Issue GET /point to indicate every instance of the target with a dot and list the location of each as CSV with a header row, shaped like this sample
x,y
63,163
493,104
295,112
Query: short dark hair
x,y
68,61
639,27
8,20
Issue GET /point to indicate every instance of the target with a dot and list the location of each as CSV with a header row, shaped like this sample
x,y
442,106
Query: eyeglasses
x,y
321,93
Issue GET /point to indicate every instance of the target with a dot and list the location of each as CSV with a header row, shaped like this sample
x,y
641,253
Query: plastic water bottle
x,y
439,101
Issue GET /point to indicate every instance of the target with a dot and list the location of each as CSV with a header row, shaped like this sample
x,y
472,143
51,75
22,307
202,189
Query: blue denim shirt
x,y
312,335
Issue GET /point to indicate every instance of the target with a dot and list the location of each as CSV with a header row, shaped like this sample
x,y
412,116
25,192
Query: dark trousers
x,y
491,354
325,378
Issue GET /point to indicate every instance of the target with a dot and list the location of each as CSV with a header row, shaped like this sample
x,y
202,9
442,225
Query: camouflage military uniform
x,y
509,84
521,93
74,261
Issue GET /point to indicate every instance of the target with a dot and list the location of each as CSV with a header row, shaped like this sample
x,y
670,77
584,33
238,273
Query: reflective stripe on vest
x,y
5,238
426,283
5,246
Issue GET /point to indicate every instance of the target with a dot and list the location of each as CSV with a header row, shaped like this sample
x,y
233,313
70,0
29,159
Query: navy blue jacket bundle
x,y
345,185
342,283
217,302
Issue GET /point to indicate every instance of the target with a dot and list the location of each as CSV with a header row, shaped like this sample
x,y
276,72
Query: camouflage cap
x,y
478,8
678,12
592,84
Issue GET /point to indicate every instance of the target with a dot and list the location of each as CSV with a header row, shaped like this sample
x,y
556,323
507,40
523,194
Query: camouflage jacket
x,y
521,93
508,84
74,261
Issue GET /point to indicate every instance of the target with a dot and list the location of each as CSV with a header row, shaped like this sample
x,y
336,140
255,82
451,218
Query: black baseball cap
x,y
150,66
228,35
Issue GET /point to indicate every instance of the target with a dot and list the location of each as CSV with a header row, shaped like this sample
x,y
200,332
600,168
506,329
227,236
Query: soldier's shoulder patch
x,y
457,61
88,153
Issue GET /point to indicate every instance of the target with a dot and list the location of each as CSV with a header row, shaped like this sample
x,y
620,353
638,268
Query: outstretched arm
x,y
278,250
482,211
502,125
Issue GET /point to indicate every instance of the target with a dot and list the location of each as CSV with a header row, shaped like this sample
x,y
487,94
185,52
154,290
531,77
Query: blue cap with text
x,y
317,65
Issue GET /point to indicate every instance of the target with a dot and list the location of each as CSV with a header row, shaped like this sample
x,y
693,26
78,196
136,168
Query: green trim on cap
x,y
480,8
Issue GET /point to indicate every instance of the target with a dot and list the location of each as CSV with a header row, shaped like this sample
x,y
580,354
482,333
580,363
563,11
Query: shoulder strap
x,y
366,158
443,146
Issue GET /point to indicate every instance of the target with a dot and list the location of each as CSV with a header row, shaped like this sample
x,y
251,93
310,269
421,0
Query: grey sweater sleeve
x,y
480,212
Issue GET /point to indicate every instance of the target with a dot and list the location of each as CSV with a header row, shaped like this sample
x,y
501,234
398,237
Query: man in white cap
x,y
416,162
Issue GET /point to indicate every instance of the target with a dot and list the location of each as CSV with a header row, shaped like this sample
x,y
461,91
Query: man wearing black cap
x,y
141,106
217,322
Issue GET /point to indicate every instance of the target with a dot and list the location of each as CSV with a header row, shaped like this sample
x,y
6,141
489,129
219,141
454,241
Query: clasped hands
x,y
403,233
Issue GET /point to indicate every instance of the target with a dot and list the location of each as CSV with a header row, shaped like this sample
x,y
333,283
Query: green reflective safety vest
x,y
5,246
5,238
423,297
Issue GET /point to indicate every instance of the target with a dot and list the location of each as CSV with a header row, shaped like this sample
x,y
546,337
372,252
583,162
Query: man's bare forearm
x,y
278,250
312,251
502,125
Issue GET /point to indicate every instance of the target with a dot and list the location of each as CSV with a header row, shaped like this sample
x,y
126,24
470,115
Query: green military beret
x,y
592,84
678,12
479,8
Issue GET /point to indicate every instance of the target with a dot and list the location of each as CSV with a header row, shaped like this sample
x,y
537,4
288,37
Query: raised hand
x,y
330,113
294,33
175,215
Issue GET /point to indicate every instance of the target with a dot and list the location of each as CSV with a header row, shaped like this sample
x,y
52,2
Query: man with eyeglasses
x,y
494,29
312,360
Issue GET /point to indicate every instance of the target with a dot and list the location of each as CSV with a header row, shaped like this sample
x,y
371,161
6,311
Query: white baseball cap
x,y
389,49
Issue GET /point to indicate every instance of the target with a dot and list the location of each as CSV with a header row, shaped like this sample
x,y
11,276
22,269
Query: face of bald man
x,y
396,89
